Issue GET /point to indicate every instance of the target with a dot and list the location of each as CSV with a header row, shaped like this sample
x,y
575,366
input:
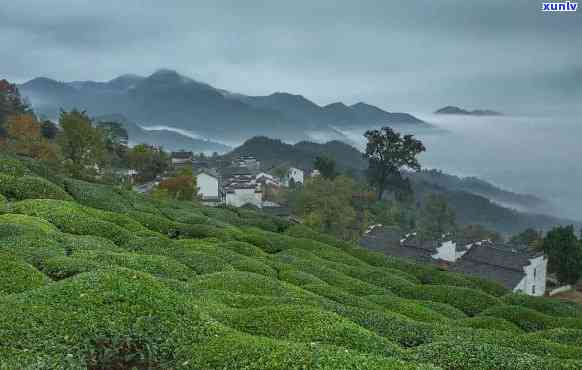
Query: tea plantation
x,y
93,277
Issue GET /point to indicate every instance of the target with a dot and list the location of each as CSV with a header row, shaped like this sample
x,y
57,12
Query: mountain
x,y
477,112
168,139
173,100
474,201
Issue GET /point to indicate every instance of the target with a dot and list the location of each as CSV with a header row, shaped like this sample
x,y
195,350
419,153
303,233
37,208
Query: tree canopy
x,y
326,167
82,144
564,253
387,152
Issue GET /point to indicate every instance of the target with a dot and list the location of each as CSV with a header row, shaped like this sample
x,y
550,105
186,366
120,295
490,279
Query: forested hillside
x,y
95,277
474,201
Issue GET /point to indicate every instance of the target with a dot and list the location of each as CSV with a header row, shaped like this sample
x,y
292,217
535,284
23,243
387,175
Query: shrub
x,y
117,218
36,223
31,187
330,276
18,276
75,243
4,205
299,278
407,308
82,314
531,320
185,216
548,306
249,283
572,337
200,231
160,266
97,196
307,324
459,355
489,323
159,224
243,248
444,309
395,327
243,351
470,301
69,218
31,247
340,296
13,168
256,237
58,268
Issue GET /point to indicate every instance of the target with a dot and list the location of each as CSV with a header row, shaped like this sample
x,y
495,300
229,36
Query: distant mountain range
x,y
477,112
169,99
474,201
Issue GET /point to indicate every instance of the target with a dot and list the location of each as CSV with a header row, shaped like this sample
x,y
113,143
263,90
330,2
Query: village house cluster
x,y
515,267
236,183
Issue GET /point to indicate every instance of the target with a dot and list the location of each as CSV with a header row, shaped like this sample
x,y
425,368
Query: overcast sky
x,y
400,55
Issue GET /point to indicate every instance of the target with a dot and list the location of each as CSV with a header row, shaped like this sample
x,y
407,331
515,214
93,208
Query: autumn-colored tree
x,y
11,104
25,138
23,133
82,144
181,187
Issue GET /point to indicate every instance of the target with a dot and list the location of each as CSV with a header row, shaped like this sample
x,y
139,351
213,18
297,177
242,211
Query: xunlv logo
x,y
560,7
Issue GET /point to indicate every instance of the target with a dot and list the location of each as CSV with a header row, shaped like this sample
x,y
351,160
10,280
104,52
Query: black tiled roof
x,y
498,263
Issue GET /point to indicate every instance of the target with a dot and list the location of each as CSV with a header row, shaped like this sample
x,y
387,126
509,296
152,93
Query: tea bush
x,y
18,276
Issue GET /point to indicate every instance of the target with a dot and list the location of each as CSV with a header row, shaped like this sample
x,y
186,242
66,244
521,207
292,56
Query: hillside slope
x,y
93,277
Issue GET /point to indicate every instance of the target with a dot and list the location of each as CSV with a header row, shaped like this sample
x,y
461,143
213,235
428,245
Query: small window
x,y
535,272
533,289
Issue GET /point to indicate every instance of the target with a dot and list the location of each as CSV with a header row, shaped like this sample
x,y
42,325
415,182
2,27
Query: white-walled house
x,y
295,174
208,186
517,268
534,281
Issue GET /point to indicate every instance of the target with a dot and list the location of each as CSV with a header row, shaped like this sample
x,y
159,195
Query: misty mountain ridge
x,y
169,139
460,111
171,99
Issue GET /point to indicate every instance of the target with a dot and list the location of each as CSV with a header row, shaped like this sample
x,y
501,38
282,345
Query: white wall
x,y
241,197
447,251
534,281
296,174
208,185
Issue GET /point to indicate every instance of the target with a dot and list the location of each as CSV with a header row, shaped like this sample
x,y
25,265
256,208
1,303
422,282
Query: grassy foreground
x,y
93,277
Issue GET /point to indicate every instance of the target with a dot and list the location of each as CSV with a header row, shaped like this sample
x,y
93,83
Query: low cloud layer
x,y
414,56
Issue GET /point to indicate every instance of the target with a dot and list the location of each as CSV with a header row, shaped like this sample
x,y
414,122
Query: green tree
x,y
326,206
326,167
388,152
564,254
436,217
148,161
82,145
